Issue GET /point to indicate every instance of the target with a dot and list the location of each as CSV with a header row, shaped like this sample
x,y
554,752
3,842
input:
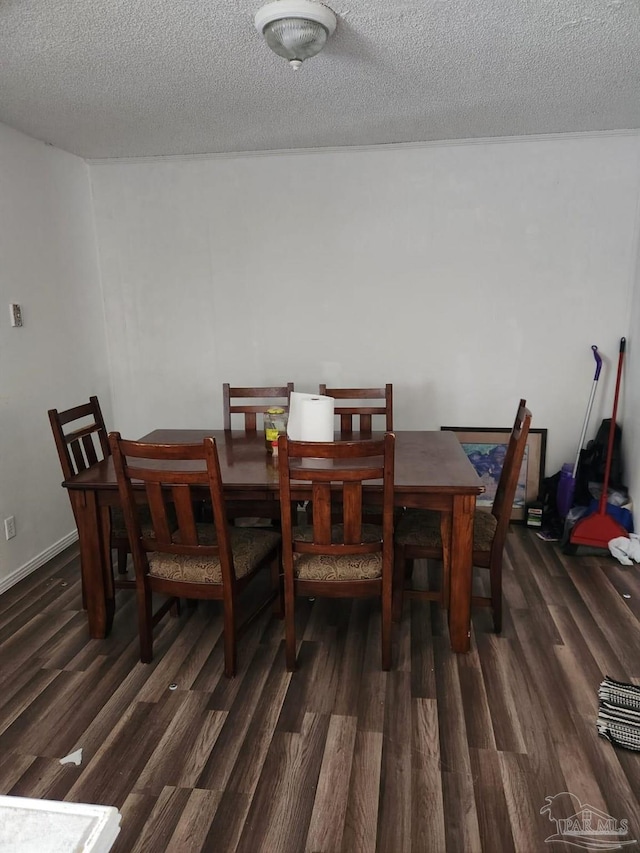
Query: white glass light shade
x,y
294,38
295,29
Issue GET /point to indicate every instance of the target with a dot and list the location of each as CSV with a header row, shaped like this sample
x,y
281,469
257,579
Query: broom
x,y
599,527
567,485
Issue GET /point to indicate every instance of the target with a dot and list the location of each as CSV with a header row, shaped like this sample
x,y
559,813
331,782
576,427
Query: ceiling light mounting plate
x,y
307,10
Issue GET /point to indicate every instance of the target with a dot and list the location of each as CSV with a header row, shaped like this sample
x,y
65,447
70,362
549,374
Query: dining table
x,y
432,471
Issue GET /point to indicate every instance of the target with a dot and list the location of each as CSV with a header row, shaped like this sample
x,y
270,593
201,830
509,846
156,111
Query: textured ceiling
x,y
133,78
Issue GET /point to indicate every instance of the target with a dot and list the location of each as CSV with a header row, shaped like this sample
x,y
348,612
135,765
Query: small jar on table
x,y
275,425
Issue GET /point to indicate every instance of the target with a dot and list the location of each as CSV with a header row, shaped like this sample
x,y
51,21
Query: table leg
x,y
461,572
96,570
445,537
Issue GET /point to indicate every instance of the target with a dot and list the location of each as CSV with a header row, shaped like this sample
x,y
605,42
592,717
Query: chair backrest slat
x,y
183,503
271,397
77,455
352,512
158,510
321,512
365,411
89,449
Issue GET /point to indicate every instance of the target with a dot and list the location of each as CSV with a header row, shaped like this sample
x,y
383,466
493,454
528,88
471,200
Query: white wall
x,y
467,274
58,358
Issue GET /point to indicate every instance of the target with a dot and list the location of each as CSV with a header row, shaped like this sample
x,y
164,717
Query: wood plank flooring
x,y
444,753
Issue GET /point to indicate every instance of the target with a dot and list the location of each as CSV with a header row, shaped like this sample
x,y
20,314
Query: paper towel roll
x,y
310,417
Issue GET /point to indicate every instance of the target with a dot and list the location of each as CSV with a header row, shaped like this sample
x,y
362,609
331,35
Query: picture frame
x,y
485,447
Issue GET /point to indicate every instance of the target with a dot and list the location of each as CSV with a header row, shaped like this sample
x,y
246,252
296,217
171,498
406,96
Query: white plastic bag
x,y
626,550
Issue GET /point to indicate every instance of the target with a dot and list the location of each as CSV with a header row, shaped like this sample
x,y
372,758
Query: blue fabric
x,y
622,516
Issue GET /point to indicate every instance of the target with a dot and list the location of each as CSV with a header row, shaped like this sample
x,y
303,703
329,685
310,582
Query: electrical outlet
x,y
10,527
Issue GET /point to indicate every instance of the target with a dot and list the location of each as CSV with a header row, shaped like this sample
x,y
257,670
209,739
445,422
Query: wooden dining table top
x,y
426,461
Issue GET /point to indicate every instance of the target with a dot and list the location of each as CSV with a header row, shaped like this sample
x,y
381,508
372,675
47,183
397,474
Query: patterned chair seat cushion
x,y
249,548
421,528
327,567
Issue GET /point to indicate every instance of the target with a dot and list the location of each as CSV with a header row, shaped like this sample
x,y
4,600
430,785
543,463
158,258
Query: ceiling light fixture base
x,y
295,29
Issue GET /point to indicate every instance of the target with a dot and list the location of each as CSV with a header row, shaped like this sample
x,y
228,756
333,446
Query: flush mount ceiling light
x,y
295,29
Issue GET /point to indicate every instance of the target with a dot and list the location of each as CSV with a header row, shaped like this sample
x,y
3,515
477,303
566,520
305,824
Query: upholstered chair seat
x,y
250,547
338,567
421,528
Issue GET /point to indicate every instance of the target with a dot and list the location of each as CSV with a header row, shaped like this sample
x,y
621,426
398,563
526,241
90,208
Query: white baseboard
x,y
38,560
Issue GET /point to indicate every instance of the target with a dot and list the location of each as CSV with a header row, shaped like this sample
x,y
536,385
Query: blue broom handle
x,y
596,376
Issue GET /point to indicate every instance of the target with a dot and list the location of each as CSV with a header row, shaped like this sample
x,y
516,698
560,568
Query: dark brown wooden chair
x,y
196,560
248,403
81,440
420,533
365,405
364,411
235,401
345,560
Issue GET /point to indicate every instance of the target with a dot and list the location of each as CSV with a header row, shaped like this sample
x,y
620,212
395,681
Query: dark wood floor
x,y
444,753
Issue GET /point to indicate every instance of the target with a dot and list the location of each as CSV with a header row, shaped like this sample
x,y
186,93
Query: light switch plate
x,y
16,314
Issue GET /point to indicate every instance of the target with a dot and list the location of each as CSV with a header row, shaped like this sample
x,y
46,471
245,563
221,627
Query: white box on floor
x,y
50,826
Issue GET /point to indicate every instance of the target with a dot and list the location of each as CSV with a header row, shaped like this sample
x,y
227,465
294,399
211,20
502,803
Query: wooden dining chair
x,y
81,440
344,560
363,403
196,560
244,402
250,402
420,533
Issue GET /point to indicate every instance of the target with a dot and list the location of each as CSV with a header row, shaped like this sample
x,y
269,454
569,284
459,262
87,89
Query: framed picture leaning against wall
x,y
486,448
